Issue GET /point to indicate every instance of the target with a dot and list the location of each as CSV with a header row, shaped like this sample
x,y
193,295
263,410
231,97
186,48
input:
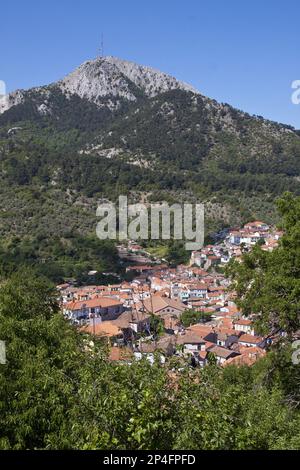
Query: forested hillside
x,y
113,127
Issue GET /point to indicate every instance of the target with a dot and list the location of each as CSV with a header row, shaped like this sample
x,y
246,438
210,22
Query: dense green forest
x,y
59,391
56,167
60,258
181,141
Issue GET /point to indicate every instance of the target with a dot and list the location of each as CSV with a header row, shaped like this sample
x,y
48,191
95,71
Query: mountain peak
x,y
111,76
105,81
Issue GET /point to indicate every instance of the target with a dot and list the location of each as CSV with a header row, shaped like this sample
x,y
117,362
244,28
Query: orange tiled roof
x,y
101,302
106,328
242,321
250,339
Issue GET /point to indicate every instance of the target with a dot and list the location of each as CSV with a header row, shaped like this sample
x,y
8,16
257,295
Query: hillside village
x,y
187,311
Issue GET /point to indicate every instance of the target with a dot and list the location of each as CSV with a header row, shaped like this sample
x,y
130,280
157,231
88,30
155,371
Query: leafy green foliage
x,y
177,254
156,326
36,383
191,317
60,257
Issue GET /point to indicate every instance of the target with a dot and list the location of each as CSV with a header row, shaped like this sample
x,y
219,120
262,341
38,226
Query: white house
x,y
244,325
105,307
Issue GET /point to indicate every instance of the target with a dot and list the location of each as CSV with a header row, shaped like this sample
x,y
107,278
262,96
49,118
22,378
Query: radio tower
x,y
101,51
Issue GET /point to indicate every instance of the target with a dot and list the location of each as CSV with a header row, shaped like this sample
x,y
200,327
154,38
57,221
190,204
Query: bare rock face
x,y
13,99
110,76
96,79
106,77
152,82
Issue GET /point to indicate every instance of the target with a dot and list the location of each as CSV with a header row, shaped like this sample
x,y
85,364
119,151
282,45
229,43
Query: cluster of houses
x,y
125,313
235,243
254,232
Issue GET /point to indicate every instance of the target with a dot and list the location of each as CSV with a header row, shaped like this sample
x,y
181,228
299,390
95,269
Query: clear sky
x,y
243,52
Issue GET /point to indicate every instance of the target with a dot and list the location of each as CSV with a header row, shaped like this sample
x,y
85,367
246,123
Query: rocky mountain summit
x,y
104,77
110,76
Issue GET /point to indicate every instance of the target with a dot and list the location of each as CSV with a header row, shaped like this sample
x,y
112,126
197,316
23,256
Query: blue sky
x,y
245,53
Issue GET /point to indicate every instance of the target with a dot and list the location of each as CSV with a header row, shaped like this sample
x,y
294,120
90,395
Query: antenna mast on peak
x,y
101,51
